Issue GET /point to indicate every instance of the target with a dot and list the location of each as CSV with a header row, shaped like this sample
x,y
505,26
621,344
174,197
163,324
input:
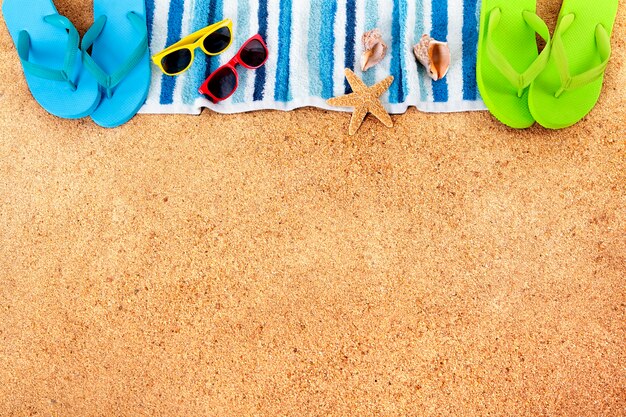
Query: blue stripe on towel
x,y
470,42
440,32
194,77
150,17
396,92
327,48
282,91
315,25
259,82
350,38
216,11
243,22
371,22
405,50
419,31
371,14
174,28
210,4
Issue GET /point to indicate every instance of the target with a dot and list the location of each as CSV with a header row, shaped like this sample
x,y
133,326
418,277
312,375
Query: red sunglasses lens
x,y
253,54
223,83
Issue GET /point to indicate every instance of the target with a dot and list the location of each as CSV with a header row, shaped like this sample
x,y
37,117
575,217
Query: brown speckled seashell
x,y
374,47
434,56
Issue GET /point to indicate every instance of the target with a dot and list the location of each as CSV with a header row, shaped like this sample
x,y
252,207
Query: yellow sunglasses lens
x,y
218,41
176,61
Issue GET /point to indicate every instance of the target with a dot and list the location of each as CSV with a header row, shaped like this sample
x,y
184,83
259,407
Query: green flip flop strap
x,y
501,62
23,50
573,82
110,81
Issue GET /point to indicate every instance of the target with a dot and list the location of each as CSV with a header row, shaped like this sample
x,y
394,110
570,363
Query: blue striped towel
x,y
310,43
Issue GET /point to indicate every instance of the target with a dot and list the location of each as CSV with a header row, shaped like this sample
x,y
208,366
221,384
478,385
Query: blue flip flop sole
x,y
48,46
112,48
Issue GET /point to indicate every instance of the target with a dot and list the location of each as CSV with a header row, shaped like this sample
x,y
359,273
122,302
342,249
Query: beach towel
x,y
310,44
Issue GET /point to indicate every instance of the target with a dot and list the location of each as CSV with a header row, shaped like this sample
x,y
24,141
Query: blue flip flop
x,y
115,51
47,44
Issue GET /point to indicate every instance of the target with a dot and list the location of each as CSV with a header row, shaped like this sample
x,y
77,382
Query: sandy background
x,y
267,264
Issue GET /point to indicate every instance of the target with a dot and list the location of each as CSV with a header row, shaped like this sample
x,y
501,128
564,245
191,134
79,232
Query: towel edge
x,y
232,108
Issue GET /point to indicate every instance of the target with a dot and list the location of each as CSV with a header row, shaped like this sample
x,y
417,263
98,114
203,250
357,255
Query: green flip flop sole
x,y
508,58
570,85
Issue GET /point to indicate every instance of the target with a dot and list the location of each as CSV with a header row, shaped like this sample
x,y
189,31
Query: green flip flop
x,y
509,59
569,87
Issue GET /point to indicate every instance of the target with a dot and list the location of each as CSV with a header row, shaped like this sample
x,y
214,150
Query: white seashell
x,y
375,49
434,56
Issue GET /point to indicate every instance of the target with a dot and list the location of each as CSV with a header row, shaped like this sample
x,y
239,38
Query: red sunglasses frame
x,y
232,64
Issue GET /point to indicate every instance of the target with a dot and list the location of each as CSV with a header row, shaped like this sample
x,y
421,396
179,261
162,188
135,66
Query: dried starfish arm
x,y
380,88
357,118
357,85
350,100
364,100
377,109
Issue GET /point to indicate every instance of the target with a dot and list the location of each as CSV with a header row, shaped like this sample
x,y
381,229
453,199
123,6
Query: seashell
x,y
434,56
375,49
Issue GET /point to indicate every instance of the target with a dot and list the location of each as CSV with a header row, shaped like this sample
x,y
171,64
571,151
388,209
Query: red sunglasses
x,y
224,81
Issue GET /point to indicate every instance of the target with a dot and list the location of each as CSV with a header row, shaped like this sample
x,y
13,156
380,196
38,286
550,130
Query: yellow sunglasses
x,y
213,40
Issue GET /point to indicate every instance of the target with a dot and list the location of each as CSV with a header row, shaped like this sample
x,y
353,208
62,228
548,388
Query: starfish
x,y
364,100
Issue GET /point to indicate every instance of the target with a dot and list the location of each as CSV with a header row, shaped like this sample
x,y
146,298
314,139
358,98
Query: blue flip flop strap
x,y
573,82
110,81
520,80
23,50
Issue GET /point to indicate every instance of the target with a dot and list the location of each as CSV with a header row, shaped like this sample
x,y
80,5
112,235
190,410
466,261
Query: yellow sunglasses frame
x,y
193,42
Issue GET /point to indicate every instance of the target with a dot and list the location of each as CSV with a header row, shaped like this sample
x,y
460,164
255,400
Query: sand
x,y
269,265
